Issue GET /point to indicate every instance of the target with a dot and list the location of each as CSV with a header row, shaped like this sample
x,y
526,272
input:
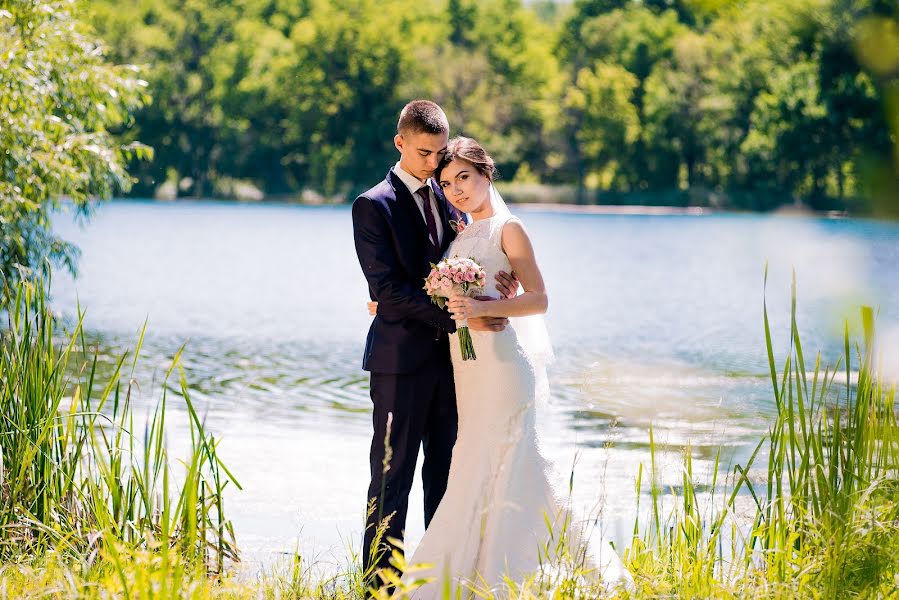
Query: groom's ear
x,y
398,142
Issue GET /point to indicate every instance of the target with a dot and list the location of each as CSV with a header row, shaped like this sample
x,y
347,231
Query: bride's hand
x,y
493,324
372,308
463,307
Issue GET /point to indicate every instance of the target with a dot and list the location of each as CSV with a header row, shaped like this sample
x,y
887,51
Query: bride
x,y
499,516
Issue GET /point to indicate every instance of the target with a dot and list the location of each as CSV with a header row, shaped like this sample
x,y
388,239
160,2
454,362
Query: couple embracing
x,y
489,506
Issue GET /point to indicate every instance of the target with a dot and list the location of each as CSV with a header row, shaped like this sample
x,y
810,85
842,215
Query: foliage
x,y
737,104
61,106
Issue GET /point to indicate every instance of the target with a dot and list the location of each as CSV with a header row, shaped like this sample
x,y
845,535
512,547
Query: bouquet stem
x,y
465,344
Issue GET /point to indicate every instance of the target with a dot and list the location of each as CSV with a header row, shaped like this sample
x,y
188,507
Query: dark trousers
x,y
422,409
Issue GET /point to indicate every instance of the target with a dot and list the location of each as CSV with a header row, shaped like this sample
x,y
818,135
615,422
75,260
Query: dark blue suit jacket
x,y
395,254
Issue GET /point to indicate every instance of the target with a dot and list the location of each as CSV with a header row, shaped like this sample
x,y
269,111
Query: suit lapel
x,y
424,250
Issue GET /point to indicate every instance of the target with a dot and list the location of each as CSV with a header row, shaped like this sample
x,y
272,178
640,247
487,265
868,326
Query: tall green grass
x,y
813,512
822,520
79,474
830,518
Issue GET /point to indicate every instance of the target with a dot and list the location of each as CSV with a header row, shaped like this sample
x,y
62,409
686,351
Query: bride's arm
x,y
517,246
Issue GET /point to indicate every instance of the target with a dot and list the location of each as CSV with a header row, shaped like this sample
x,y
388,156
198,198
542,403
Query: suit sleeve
x,y
397,297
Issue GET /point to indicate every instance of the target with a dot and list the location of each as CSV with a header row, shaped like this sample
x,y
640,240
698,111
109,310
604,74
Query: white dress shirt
x,y
414,184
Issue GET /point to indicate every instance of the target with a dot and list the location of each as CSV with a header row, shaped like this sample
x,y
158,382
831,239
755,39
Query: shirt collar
x,y
412,182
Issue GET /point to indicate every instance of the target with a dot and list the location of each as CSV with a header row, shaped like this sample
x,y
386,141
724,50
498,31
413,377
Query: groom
x,y
400,226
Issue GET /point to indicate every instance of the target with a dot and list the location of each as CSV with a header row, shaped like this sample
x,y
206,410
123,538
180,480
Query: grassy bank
x,y
81,477
92,505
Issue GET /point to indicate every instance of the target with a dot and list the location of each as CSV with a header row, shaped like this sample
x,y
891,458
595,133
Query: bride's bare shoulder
x,y
514,235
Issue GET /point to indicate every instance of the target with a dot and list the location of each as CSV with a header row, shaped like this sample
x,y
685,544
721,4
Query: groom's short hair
x,y
422,116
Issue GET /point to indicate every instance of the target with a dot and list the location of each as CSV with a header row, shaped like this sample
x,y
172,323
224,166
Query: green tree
x,y
679,107
604,119
61,105
875,39
291,95
818,118
304,94
742,60
177,44
854,95
499,86
637,39
787,137
569,45
341,94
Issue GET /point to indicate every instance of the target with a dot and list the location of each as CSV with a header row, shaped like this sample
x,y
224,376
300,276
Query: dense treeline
x,y
745,104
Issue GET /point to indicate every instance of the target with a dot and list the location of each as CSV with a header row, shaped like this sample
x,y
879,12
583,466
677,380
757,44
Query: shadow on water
x,y
296,384
279,382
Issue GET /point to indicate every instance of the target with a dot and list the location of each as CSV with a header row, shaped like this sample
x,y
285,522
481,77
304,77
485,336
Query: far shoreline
x,y
618,209
557,207
651,210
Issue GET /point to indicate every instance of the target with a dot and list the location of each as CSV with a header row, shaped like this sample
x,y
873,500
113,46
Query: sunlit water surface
x,y
655,320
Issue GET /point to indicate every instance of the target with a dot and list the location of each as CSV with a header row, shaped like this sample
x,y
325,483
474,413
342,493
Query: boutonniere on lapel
x,y
458,226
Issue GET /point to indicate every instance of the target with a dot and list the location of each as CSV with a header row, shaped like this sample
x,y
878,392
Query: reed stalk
x,y
78,476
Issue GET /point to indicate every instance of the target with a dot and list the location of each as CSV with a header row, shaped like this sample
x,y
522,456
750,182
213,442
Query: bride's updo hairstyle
x,y
470,151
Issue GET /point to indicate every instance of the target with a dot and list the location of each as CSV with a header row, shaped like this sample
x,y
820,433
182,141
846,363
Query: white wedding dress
x,y
492,521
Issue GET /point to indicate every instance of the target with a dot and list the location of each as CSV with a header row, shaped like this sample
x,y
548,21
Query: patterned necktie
x,y
429,215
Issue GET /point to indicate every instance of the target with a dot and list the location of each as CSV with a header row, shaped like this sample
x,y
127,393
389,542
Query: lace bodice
x,y
482,241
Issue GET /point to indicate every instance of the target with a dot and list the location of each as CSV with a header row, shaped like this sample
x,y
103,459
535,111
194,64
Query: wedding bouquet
x,y
451,277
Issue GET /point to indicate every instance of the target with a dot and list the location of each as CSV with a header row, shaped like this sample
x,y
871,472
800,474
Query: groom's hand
x,y
493,324
372,308
507,284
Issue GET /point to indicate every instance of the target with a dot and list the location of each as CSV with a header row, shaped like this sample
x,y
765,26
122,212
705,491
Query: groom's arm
x,y
380,264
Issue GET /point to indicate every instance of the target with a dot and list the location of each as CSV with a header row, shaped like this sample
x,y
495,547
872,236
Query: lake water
x,y
655,320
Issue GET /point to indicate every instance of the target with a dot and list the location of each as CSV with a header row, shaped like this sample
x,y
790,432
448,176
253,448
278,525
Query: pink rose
x,y
469,276
458,277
